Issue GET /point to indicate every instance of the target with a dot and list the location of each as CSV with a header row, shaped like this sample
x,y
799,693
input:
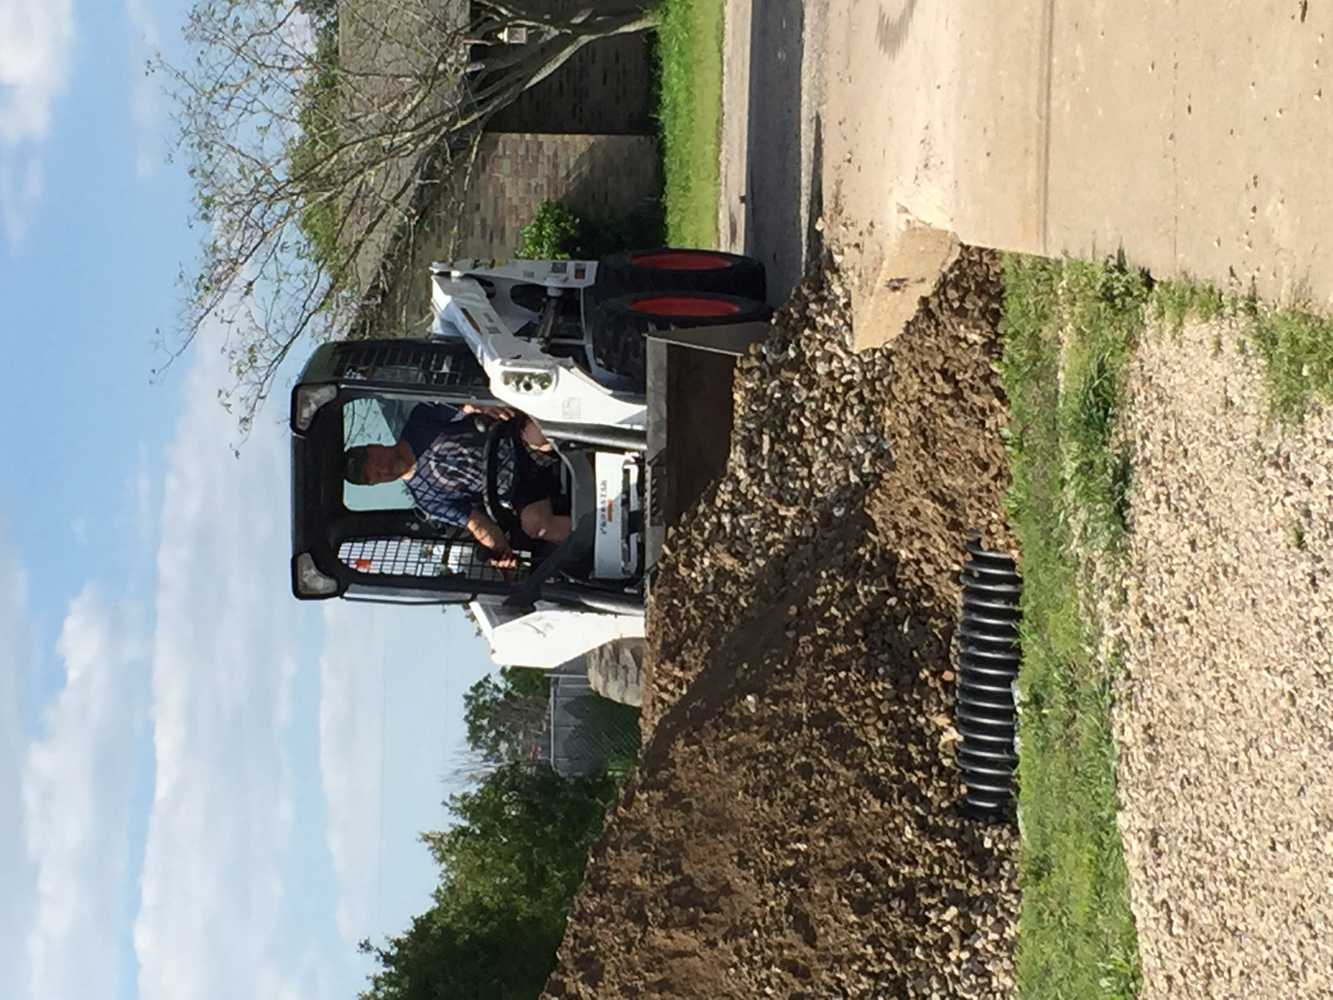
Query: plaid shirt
x,y
449,480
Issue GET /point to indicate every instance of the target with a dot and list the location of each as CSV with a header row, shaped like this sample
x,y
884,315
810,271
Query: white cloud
x,y
36,41
145,97
351,745
225,912
221,836
142,489
77,783
15,870
22,183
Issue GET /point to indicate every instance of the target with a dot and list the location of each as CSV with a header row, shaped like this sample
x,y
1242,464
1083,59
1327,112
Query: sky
x,y
207,789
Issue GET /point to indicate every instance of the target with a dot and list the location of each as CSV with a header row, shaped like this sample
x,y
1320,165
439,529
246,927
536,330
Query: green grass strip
x,y
690,58
1068,325
1297,350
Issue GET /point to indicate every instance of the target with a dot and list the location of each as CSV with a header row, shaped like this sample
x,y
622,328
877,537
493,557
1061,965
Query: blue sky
x,y
208,790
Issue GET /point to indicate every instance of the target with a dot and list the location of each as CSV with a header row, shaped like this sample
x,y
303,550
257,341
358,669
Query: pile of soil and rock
x,y
792,830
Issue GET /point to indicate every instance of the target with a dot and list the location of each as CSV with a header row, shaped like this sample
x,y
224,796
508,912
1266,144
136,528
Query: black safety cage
x,y
397,556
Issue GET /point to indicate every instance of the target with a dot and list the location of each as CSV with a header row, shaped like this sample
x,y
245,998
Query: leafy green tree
x,y
490,954
508,871
319,10
521,841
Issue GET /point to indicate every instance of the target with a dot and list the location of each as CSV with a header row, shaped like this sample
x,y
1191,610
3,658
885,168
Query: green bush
x,y
556,232
553,234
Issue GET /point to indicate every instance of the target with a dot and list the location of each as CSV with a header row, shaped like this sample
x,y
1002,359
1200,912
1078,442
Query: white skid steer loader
x,y
599,354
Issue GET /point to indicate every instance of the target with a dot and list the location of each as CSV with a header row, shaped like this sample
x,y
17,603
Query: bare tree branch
x,y
312,129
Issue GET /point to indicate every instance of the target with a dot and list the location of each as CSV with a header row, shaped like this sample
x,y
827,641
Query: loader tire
x,y
673,269
619,324
615,671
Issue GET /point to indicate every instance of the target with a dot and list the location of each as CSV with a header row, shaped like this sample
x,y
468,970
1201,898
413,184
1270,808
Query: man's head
x,y
370,464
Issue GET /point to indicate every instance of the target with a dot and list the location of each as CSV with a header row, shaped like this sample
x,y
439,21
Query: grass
x,y
1069,330
689,49
1100,311
1297,350
1294,343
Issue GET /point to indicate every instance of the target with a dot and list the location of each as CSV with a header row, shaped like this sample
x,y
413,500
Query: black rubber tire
x,y
620,274
615,671
618,328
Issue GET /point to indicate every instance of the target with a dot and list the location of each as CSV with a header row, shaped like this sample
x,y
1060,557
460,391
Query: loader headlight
x,y
310,582
307,401
528,382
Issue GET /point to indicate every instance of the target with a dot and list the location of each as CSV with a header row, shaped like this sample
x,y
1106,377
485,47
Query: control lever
x,y
546,325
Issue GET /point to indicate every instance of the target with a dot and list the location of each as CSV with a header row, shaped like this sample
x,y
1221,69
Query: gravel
x,y
1223,716
792,830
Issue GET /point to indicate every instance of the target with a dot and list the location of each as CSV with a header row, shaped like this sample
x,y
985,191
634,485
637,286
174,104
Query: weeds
x,y
1069,329
1297,351
1294,344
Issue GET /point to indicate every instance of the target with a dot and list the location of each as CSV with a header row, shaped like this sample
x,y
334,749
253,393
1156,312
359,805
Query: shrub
x,y
556,232
553,234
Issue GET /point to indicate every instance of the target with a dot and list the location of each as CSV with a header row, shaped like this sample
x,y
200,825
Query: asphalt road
x,y
768,160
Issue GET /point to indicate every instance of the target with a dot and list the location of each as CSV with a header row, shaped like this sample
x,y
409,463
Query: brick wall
x,y
598,176
583,136
605,89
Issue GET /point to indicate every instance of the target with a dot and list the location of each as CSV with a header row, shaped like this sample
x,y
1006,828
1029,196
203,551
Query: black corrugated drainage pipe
x,y
988,656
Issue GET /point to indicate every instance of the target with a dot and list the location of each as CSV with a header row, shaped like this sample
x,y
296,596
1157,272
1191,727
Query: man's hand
x,y
488,533
494,412
533,436
506,561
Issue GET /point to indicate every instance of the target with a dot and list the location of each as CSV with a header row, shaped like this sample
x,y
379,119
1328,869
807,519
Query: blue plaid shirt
x,y
449,480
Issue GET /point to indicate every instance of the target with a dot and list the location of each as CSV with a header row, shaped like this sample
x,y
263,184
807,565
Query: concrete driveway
x,y
1194,135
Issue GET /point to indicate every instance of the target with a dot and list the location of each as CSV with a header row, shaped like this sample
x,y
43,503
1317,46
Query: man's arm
x,y
488,533
425,424
531,431
495,412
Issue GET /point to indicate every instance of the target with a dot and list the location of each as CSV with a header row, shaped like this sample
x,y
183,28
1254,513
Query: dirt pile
x,y
792,830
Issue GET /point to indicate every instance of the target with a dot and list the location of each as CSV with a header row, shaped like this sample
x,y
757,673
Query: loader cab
x,y
370,543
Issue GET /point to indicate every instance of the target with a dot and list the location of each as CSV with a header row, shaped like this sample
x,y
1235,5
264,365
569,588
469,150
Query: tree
x,y
303,116
521,840
492,954
508,871
506,719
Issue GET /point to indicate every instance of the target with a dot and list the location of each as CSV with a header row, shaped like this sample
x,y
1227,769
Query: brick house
x,y
585,136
